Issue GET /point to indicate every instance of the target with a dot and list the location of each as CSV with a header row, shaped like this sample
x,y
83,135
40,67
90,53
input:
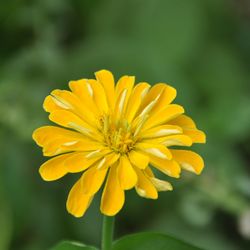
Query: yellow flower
x,y
115,132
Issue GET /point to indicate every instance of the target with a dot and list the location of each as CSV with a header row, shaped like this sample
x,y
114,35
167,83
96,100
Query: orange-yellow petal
x,y
106,78
55,140
148,171
138,159
157,150
99,96
44,134
113,195
197,136
126,173
108,160
54,168
188,160
183,121
135,100
145,187
92,179
160,131
174,140
164,94
70,120
165,115
78,202
49,104
123,90
168,167
84,108
189,128
79,162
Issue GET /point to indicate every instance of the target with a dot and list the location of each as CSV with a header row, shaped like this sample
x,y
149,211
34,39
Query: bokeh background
x,y
200,47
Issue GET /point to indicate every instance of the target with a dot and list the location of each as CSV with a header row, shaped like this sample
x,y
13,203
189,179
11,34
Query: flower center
x,y
117,134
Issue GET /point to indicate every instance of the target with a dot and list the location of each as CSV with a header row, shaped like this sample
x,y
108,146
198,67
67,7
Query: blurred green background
x,y
200,47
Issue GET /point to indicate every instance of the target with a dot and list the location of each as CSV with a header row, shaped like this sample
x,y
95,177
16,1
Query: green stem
x,y
107,232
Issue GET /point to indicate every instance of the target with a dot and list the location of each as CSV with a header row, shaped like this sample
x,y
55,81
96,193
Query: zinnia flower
x,y
118,133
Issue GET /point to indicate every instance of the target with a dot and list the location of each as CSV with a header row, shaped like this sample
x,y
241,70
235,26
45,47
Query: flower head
x,y
119,133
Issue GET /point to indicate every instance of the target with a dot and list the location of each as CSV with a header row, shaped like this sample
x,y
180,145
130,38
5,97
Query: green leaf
x,y
151,241
69,245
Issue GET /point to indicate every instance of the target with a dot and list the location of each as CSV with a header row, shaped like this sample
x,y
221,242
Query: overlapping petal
x,y
116,135
113,196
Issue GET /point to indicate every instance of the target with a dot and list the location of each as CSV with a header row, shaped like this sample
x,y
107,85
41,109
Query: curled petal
x,y
161,185
197,136
145,187
188,160
168,167
156,150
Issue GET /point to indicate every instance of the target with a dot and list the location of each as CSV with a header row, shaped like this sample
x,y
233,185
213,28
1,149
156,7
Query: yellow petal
x,y
188,160
196,135
139,92
183,121
120,104
84,108
45,134
126,173
168,167
145,187
113,195
122,93
49,104
189,128
125,82
70,120
55,140
99,96
108,160
79,162
138,159
65,99
161,131
78,202
106,78
165,115
163,92
55,147
92,179
99,152
59,146
177,140
81,89
161,185
156,150
54,168
148,172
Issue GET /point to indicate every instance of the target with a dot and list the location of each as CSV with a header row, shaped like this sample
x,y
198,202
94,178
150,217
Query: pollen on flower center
x,y
117,134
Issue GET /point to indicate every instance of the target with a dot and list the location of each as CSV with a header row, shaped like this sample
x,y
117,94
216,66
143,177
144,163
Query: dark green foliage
x,y
67,245
151,241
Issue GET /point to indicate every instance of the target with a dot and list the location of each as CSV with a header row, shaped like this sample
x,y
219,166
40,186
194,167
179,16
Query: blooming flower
x,y
118,133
